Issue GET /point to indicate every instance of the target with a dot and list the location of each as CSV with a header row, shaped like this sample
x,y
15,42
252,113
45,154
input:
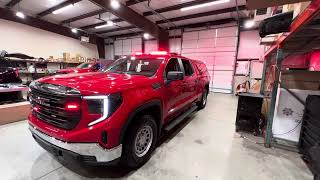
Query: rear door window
x,y
188,69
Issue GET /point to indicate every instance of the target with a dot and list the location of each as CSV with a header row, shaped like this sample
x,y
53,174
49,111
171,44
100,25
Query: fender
x,y
154,102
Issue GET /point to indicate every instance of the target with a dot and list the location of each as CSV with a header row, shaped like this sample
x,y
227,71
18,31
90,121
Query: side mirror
x,y
276,24
174,75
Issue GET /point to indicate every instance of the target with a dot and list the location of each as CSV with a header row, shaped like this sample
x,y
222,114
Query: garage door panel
x,y
203,43
205,50
226,54
207,34
190,44
226,49
225,32
191,35
226,42
223,68
217,49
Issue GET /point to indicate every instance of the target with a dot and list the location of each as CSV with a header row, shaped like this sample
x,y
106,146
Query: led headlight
x,y
104,105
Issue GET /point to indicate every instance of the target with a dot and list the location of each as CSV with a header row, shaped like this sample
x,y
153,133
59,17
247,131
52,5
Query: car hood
x,y
97,82
73,70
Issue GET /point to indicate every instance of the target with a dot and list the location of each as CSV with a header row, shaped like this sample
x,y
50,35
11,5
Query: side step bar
x,y
180,118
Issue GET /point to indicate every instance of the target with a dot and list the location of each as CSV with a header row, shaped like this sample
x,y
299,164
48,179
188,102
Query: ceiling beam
x,y
115,30
41,24
195,25
61,5
199,15
133,2
83,16
133,18
177,7
204,14
12,3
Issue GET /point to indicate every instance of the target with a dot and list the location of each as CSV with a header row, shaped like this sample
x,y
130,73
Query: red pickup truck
x,y
118,114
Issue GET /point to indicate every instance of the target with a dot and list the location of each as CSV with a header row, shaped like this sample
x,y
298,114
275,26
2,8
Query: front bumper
x,y
89,152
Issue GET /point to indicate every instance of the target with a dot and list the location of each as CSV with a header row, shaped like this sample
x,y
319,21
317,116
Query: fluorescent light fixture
x,y
74,30
204,5
249,24
115,4
108,24
146,35
62,9
20,14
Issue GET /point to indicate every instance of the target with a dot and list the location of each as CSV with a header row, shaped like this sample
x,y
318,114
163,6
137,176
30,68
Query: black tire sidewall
x,y
128,155
200,104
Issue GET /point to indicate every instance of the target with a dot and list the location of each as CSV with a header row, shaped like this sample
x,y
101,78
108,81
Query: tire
x,y
135,151
203,102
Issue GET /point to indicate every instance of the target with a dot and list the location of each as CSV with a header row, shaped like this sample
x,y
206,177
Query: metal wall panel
x,y
217,49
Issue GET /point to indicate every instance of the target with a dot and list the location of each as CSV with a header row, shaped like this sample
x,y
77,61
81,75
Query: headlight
x,y
104,105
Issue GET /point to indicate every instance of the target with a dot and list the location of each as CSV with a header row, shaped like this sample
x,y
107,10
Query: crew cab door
x,y
174,91
190,81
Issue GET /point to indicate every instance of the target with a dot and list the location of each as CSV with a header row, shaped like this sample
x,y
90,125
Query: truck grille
x,y
51,108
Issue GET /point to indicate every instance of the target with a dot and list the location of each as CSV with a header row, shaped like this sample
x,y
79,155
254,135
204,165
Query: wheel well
x,y
153,109
207,87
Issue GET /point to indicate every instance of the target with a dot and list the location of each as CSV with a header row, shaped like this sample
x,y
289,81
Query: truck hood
x,y
98,82
73,70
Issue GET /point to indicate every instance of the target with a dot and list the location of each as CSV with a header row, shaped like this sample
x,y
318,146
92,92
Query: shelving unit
x,y
303,36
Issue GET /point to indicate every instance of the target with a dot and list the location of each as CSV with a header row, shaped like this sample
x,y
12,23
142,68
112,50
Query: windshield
x,y
132,65
84,65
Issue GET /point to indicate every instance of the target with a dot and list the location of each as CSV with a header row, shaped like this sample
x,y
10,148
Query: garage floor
x,y
205,147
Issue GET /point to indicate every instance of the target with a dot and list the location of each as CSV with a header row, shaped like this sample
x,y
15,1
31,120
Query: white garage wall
x,y
16,37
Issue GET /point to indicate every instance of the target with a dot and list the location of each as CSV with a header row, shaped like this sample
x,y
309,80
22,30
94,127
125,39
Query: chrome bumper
x,y
86,149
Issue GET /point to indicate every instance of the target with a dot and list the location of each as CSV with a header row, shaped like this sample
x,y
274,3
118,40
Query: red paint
x,y
314,62
136,90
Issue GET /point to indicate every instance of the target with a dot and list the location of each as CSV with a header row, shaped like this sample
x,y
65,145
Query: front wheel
x,y
202,104
139,142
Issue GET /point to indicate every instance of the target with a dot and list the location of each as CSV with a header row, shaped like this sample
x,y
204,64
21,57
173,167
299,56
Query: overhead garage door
x,y
217,49
127,46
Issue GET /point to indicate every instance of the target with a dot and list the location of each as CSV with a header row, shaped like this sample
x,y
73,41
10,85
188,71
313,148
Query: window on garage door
x,y
188,70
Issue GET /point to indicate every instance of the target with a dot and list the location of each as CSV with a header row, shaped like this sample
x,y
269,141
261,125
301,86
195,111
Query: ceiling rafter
x,y
204,14
195,25
12,3
134,18
116,29
177,7
133,2
61,5
199,15
83,16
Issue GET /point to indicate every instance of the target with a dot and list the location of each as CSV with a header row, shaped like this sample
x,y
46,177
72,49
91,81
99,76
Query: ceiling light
x,y
249,24
115,4
20,15
74,30
108,24
204,5
146,35
62,9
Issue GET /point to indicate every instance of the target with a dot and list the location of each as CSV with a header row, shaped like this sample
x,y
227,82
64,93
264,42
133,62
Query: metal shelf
x,y
303,36
304,33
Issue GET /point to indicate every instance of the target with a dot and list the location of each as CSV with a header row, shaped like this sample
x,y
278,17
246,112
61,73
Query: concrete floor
x,y
205,147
